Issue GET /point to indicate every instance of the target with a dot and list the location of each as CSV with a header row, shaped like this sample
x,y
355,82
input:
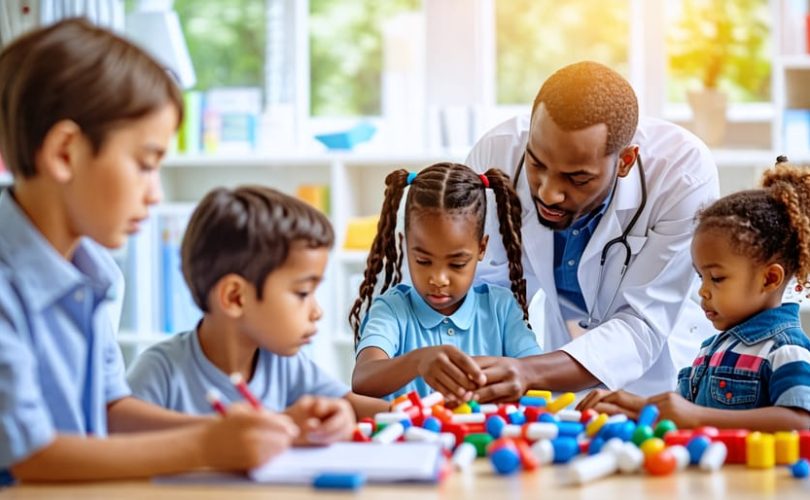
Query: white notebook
x,y
419,462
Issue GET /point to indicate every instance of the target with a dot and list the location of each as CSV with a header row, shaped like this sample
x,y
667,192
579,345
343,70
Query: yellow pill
x,y
463,408
786,447
534,393
561,402
652,446
596,424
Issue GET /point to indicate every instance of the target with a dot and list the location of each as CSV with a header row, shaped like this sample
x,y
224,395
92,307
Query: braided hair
x,y
453,188
768,224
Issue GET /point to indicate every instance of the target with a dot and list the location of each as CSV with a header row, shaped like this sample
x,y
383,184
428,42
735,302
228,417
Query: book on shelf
x,y
230,117
156,297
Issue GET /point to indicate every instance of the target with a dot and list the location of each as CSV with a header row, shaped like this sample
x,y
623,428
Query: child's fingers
x,y
439,386
625,400
332,429
454,378
468,367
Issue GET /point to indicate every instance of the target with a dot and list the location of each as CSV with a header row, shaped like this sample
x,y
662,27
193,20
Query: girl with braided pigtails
x,y
755,373
422,336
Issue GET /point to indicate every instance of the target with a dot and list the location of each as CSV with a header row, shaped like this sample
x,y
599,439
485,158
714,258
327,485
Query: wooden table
x,y
733,481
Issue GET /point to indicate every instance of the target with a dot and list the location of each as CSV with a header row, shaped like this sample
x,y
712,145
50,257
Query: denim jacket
x,y
763,361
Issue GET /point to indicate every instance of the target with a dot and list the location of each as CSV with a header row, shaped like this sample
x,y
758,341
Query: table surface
x,y
480,482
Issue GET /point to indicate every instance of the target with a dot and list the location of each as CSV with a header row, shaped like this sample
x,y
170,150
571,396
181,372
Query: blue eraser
x,y
340,480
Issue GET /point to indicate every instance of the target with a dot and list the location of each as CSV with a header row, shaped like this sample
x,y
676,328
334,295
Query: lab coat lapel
x,y
625,201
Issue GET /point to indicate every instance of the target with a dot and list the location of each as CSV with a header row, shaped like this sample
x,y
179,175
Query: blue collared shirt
x,y
488,323
176,374
569,244
763,361
59,362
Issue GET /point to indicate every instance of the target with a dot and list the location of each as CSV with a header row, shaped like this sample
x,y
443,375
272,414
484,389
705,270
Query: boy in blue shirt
x,y
85,119
253,258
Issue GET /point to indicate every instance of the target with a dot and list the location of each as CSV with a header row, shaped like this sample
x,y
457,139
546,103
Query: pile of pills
x,y
540,430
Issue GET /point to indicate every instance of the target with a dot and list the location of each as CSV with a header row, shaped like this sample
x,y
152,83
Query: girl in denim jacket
x,y
755,374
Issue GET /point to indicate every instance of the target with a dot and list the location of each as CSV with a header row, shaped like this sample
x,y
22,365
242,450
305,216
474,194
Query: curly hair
x,y
455,189
587,93
771,224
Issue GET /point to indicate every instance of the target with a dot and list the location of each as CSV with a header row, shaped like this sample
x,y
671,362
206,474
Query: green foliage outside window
x,y
346,54
721,44
537,37
226,41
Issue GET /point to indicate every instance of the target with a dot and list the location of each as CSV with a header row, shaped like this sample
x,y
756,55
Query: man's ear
x,y
773,277
229,295
627,158
61,150
482,247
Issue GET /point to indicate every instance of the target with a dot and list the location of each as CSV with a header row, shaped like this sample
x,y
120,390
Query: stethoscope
x,y
619,240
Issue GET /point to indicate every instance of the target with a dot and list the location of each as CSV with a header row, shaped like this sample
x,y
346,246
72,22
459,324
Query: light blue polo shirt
x,y
176,374
59,363
488,323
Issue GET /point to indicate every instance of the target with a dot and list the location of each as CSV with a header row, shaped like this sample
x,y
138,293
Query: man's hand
x,y
613,402
504,379
245,438
451,372
322,420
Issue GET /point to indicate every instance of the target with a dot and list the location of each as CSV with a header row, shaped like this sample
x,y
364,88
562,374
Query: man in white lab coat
x,y
577,165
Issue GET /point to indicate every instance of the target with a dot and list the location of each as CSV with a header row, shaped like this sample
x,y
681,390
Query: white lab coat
x,y
654,326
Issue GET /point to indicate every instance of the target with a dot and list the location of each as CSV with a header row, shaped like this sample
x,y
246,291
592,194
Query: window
x,y
346,54
722,44
536,37
226,41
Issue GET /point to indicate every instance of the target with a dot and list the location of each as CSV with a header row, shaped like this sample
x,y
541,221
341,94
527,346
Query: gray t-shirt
x,y
176,374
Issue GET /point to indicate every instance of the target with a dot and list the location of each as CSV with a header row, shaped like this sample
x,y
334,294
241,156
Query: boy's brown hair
x,y
246,231
75,71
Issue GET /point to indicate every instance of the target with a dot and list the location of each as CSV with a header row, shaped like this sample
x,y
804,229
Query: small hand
x,y
245,438
322,420
673,406
613,402
451,372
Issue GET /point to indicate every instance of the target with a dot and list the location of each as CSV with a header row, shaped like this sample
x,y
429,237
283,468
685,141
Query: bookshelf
x,y
791,80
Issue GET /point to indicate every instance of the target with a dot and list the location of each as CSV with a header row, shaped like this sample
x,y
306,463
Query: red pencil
x,y
241,386
215,399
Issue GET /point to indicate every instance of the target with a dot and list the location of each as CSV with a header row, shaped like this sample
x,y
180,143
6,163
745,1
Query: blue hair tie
x,y
411,177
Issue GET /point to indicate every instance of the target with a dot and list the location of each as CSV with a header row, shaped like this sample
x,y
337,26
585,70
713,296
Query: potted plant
x,y
723,45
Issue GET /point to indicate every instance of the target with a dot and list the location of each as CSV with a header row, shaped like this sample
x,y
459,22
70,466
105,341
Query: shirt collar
x,y
593,216
42,275
430,318
767,323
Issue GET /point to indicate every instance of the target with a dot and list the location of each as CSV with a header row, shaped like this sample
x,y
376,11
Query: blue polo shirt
x,y
176,374
488,323
763,361
569,244
59,362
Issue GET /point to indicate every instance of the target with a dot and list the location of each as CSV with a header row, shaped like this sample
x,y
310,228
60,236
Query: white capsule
x,y
616,419
448,440
613,445
432,399
389,434
569,415
365,428
488,408
544,451
391,417
714,457
541,430
630,459
464,456
681,455
468,418
591,468
511,431
421,435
